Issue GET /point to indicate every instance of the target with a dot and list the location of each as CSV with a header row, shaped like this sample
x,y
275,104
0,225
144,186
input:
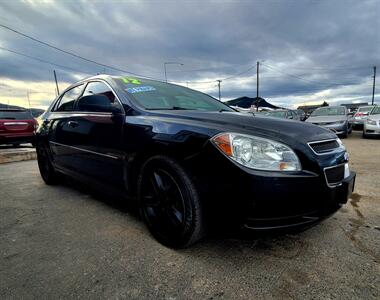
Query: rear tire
x,y
169,203
48,174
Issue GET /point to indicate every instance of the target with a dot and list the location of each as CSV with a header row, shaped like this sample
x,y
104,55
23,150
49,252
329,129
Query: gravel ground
x,y
64,242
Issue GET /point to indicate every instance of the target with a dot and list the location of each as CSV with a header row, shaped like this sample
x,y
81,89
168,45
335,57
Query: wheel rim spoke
x,y
163,202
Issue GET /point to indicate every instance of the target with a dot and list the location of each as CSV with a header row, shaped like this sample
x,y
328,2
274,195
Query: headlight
x,y
256,152
371,122
339,123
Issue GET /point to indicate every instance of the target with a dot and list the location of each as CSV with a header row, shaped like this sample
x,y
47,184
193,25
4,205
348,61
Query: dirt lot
x,y
64,242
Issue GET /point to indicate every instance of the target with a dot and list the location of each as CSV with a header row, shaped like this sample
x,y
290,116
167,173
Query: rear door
x,y
62,131
97,133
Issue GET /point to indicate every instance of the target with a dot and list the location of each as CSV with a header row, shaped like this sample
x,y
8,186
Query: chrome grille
x,y
334,175
322,147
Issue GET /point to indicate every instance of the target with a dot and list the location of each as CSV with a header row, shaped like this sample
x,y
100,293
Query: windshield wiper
x,y
169,108
223,109
179,108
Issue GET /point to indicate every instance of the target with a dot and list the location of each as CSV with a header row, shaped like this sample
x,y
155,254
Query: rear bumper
x,y
17,138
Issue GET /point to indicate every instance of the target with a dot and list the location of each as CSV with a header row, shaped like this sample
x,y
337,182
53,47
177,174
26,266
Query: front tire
x,y
48,174
169,203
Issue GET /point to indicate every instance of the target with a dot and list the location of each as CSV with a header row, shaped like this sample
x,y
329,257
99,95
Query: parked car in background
x,y
17,126
334,118
283,113
371,125
241,109
191,162
361,116
301,113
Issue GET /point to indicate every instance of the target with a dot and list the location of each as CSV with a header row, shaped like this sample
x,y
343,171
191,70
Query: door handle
x,y
72,124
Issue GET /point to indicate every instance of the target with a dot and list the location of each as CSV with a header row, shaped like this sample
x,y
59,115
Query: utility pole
x,y
257,85
27,95
257,77
219,81
374,84
56,82
170,63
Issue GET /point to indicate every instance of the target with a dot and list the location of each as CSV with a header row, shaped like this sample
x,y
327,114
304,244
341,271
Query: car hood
x,y
287,131
325,119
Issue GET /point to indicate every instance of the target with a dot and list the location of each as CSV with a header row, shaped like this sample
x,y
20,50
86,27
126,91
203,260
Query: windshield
x,y
376,110
278,114
156,95
329,111
365,108
15,115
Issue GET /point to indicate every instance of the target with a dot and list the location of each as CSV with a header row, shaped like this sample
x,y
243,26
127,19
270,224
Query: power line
x,y
223,79
43,61
334,68
69,52
301,78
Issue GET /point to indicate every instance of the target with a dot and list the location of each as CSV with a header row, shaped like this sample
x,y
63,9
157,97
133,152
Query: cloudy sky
x,y
309,50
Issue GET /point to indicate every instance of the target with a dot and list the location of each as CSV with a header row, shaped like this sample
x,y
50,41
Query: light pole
x,y
219,81
170,63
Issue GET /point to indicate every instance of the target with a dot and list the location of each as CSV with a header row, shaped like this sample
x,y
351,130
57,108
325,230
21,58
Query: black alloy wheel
x,y
169,203
48,174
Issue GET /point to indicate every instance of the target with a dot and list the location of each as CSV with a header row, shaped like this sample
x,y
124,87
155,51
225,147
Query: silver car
x,y
334,118
371,126
361,116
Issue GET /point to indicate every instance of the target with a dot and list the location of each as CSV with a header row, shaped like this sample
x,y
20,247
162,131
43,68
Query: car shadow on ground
x,y
217,240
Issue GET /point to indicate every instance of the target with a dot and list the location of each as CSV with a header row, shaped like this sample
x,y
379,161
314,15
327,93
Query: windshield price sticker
x,y
140,89
130,80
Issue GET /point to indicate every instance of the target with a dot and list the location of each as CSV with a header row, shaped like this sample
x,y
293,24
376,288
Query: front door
x,y
98,123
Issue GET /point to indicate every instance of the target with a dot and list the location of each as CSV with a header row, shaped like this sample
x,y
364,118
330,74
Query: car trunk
x,y
16,126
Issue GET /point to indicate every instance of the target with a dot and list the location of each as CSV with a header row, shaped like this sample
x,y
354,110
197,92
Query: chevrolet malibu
x,y
190,162
371,126
335,118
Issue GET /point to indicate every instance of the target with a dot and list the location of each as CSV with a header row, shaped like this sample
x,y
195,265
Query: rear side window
x,y
68,99
15,115
98,97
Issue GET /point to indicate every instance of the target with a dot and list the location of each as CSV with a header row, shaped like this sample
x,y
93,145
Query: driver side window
x,y
98,97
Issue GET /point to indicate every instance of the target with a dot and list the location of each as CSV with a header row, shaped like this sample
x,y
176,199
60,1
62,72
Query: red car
x,y
16,126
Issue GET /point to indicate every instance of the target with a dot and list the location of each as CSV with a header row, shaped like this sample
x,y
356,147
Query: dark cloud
x,y
305,46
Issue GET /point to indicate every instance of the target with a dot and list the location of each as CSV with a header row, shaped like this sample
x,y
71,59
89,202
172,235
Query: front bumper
x,y
358,121
337,129
371,129
303,215
264,200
